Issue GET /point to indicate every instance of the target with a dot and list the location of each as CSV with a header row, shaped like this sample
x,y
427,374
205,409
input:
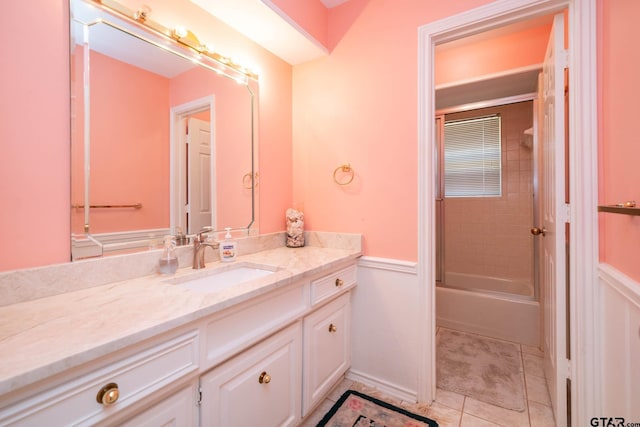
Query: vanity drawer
x,y
329,285
130,380
237,328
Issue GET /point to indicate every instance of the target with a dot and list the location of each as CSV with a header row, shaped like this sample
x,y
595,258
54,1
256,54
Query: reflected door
x,y
199,181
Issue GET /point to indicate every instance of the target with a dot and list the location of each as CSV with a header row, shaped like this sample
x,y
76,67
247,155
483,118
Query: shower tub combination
x,y
495,314
485,251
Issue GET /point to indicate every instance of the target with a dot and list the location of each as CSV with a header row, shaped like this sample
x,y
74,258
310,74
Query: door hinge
x,y
187,208
567,213
563,58
568,373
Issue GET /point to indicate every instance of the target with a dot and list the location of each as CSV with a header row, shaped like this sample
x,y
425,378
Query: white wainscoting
x,y
620,344
384,334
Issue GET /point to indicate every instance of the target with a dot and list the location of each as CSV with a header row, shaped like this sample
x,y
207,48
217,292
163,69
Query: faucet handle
x,y
204,230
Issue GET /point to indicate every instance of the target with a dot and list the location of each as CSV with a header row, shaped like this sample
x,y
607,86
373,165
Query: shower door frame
x,y
440,197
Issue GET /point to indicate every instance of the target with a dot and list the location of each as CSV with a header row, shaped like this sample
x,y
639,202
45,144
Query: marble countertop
x,y
46,336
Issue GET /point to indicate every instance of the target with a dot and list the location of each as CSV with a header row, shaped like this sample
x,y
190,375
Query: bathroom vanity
x,y
150,352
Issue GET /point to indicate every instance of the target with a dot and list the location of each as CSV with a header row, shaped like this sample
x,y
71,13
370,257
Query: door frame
x,y
177,156
583,314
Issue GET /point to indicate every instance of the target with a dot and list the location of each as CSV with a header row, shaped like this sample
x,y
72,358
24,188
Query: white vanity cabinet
x,y
102,392
265,361
259,387
279,380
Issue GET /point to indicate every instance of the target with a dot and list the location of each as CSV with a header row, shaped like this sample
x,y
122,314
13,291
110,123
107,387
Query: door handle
x,y
537,231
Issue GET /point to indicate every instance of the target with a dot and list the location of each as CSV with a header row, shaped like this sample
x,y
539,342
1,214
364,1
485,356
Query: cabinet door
x,y
178,410
260,387
327,349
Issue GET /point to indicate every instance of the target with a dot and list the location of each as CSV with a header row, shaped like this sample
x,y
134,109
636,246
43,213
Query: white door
x,y
199,181
554,217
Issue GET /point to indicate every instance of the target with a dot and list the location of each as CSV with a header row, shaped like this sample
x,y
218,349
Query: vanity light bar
x,y
179,34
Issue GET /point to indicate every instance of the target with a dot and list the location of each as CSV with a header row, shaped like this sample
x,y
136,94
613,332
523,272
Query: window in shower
x,y
472,157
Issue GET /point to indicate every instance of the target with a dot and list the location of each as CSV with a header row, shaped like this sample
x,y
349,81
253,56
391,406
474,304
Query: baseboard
x,y
387,388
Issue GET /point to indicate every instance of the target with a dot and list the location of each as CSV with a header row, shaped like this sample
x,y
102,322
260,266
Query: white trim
x,y
385,387
623,284
583,156
583,170
388,264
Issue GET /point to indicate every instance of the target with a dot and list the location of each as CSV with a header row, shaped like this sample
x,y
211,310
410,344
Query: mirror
x,y
162,136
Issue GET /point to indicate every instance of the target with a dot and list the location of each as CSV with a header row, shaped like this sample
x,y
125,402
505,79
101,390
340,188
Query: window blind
x,y
472,157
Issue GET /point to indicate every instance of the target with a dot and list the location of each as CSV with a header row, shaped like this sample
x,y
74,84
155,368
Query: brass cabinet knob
x,y
339,282
264,378
332,328
108,395
537,231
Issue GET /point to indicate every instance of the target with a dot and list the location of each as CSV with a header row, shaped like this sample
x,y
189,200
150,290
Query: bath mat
x,y
482,368
355,409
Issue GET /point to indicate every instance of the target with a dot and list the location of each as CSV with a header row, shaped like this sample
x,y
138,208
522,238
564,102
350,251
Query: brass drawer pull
x,y
108,395
332,328
339,282
264,378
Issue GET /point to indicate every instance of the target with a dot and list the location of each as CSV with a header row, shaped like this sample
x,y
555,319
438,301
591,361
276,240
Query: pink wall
x,y
359,106
516,50
130,161
35,158
34,130
619,65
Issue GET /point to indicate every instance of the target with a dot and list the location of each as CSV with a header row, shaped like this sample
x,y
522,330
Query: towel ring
x,y
249,180
347,169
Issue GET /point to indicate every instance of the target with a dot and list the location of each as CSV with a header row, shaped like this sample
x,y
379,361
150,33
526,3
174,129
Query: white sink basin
x,y
223,278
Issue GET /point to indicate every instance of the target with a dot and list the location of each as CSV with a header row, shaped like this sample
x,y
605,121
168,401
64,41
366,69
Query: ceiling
x,y
270,27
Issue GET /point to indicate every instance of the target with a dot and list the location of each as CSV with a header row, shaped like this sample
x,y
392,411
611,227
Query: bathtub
x,y
501,316
488,283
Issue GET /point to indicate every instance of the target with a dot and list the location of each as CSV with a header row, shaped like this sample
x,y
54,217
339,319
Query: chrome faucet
x,y
199,245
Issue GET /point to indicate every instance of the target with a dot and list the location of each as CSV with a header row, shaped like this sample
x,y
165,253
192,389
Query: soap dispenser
x,y
168,262
228,247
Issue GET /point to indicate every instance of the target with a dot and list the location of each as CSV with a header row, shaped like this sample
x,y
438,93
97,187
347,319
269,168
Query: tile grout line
x,y
464,402
526,392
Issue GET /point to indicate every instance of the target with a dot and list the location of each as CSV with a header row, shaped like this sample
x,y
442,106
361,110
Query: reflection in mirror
x,y
162,141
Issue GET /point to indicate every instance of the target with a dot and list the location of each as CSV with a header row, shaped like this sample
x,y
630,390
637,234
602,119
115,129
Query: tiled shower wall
x,y
490,236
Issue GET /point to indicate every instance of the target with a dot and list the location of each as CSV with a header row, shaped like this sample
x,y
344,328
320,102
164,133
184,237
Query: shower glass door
x,y
484,200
